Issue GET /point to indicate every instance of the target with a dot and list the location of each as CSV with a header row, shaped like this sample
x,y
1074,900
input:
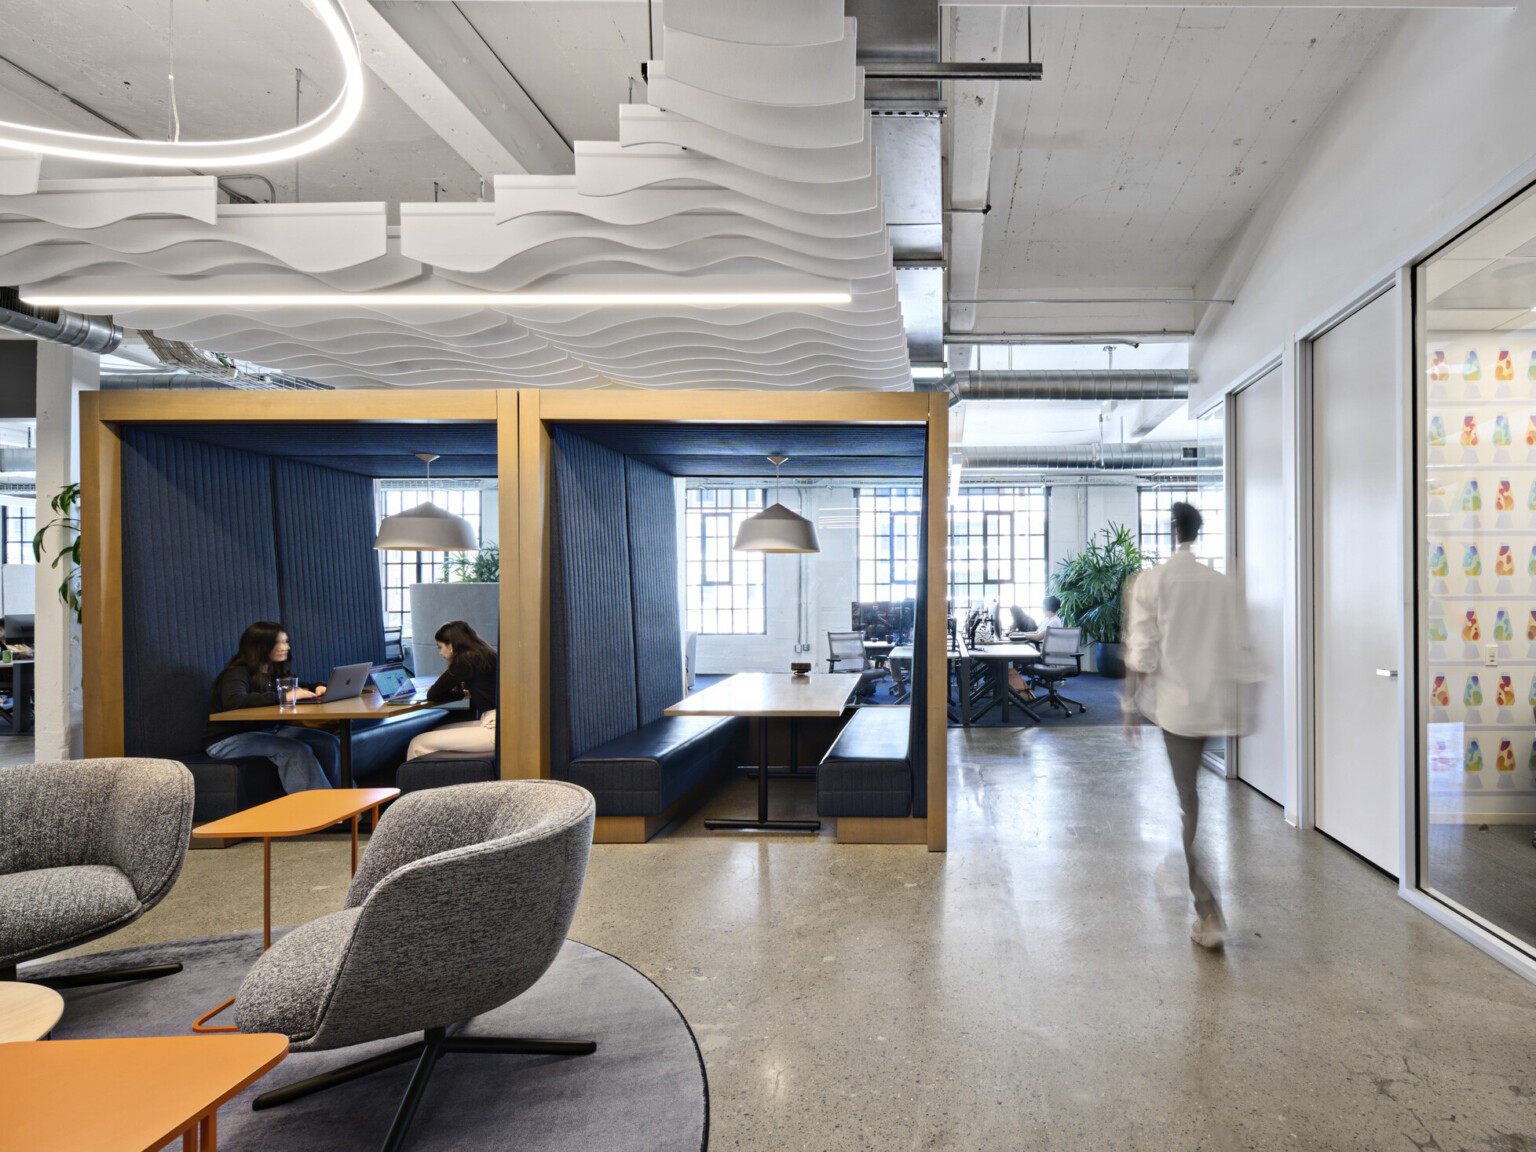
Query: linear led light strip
x,y
107,302
246,153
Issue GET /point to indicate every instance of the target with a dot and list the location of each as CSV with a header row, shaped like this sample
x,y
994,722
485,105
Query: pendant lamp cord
x,y
171,76
776,499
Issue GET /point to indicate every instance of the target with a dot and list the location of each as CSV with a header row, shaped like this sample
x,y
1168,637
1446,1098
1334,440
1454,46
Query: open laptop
x,y
394,684
346,682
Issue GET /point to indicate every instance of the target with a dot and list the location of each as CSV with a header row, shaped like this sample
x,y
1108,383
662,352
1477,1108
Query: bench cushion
x,y
866,771
644,772
442,769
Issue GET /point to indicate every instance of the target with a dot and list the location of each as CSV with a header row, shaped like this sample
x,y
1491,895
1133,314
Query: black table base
x,y
762,823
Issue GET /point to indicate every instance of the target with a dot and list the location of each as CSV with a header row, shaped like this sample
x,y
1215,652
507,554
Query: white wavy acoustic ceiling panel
x,y
751,169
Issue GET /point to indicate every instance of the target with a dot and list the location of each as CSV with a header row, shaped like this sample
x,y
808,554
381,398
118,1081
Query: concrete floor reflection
x,y
1036,985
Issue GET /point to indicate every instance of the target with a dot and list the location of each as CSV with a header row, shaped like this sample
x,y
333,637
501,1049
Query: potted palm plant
x,y
1090,585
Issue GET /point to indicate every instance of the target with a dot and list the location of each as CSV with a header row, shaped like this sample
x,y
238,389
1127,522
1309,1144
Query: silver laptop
x,y
346,683
394,684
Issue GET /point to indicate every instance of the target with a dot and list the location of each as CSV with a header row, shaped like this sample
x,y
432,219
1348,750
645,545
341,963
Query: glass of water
x,y
287,691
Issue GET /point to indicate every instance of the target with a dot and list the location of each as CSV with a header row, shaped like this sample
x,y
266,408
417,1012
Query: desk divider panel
x,y
592,630
198,566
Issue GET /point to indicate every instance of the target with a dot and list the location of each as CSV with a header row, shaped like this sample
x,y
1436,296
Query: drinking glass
x,y
287,691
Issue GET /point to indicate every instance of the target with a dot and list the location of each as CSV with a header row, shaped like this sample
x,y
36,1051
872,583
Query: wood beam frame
x,y
102,417
538,410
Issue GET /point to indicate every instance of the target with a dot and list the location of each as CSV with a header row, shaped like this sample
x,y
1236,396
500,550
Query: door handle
x,y
1389,673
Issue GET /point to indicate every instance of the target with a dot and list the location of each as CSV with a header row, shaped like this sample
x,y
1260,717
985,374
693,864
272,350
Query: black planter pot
x,y
1111,660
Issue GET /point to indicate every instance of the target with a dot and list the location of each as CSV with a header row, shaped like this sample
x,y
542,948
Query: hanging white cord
x,y
171,76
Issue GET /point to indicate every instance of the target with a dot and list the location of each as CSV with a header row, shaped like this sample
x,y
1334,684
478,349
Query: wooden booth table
x,y
132,1095
340,714
296,814
27,1011
768,696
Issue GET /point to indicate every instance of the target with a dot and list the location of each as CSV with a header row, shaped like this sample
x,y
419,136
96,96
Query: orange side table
x,y
131,1095
296,814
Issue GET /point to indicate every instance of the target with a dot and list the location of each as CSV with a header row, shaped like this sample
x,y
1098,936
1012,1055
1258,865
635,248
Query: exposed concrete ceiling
x,y
1149,142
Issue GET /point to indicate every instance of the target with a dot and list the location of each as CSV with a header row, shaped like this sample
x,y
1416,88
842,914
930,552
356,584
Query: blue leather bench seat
x,y
224,787
867,772
645,772
443,769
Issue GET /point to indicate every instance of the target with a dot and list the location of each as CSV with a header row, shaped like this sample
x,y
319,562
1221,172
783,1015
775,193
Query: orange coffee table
x,y
126,1095
296,814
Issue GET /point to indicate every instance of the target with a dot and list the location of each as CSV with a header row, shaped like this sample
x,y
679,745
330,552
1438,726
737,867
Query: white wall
x,y
1077,512
1437,125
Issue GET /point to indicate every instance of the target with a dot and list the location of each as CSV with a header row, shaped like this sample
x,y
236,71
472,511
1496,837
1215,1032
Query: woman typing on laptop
x,y
471,672
306,758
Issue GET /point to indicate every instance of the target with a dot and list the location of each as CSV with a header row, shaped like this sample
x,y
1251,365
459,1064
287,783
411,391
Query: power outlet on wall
x,y
1492,658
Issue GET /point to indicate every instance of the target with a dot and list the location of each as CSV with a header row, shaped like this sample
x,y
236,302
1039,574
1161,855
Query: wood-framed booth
x,y
310,435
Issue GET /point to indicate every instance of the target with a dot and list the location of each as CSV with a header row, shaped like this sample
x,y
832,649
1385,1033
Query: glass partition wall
x,y
1475,512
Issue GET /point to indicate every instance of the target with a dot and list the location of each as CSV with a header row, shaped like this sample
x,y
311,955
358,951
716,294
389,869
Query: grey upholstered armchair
x,y
461,903
86,847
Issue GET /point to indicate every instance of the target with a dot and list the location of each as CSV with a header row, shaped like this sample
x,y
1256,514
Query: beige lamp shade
x,y
777,529
426,528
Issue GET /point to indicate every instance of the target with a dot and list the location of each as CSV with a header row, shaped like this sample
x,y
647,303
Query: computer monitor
x,y
891,620
19,628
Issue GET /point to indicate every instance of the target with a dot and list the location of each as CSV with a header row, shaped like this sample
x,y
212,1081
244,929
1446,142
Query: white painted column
x,y
62,374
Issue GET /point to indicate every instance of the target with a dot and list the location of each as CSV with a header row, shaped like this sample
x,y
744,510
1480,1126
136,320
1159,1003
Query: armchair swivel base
x,y
436,1042
87,979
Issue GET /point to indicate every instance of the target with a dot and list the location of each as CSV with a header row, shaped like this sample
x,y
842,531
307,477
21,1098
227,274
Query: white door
x,y
1355,581
1259,551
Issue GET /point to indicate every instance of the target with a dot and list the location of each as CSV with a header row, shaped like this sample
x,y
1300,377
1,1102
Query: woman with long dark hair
x,y
306,758
471,673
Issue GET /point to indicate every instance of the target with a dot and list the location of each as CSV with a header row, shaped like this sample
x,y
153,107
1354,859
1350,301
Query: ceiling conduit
x,y
1070,384
140,381
1097,457
87,333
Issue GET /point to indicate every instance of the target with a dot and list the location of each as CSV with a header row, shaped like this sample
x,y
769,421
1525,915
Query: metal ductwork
x,y
1067,384
18,459
184,381
1097,457
87,333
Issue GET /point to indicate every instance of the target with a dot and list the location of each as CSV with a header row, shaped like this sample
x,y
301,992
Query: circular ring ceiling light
x,y
249,152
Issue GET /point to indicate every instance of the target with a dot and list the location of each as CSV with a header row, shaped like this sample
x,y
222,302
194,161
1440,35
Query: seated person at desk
x,y
1052,619
471,672
306,758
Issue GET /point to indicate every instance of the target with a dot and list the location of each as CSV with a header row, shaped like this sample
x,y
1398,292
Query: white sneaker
x,y
1209,931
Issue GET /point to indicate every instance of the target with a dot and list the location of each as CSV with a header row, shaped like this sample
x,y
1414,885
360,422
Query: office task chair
x,y
86,848
1060,659
394,645
847,649
461,902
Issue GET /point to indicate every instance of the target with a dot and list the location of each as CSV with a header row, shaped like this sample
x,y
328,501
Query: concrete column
x,y
62,374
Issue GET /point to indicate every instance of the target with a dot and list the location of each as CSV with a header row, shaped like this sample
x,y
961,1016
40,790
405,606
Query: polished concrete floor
x,y
1035,987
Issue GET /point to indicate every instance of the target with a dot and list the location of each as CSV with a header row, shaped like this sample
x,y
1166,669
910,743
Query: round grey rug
x,y
644,1088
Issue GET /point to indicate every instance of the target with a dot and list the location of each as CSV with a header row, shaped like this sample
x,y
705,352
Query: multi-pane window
x,y
889,544
1157,518
997,546
17,527
400,570
724,588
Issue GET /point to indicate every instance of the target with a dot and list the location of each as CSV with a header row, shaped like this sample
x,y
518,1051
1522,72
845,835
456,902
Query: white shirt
x,y
1186,633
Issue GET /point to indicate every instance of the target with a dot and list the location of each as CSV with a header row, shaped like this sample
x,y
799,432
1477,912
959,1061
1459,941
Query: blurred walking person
x,y
1187,657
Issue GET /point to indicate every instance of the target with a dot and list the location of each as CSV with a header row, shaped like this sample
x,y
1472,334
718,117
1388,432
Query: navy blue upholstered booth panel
x,y
652,513
592,639
327,571
198,566
917,730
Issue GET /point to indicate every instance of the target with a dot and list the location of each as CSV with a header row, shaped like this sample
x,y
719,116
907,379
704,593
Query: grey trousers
x,y
1184,754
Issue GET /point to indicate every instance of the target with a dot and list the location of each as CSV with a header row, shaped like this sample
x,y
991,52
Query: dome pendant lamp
x,y
776,528
426,527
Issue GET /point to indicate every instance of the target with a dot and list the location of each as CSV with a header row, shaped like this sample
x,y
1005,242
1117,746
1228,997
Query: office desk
x,y
20,714
999,656
131,1095
296,814
767,696
339,713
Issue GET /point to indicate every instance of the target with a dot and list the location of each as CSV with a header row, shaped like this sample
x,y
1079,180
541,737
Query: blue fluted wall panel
x,y
327,571
198,566
651,508
592,639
